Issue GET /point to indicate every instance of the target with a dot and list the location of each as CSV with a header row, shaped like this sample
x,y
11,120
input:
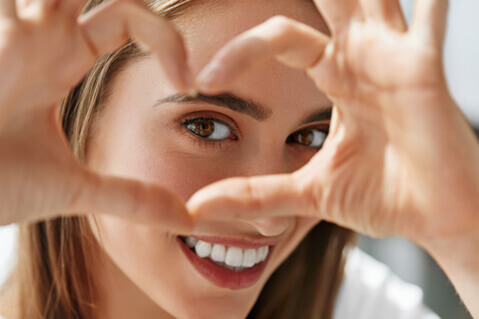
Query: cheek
x,y
180,172
165,159
143,260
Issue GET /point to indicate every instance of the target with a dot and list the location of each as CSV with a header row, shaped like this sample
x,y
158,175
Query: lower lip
x,y
224,277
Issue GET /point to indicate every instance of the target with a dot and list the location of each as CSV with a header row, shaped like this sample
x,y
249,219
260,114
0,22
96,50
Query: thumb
x,y
252,198
130,199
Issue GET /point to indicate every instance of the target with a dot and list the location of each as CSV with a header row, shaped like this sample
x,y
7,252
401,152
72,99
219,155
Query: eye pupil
x,y
308,137
305,137
204,128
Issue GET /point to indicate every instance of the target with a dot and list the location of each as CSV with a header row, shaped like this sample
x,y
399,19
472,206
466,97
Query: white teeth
x,y
249,258
190,242
258,255
218,253
262,252
234,257
203,249
265,252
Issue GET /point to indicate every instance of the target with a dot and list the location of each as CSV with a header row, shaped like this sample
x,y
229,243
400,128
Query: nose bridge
x,y
264,159
267,159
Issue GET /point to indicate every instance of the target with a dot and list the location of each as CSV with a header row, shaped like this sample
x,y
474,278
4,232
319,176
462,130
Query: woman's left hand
x,y
400,158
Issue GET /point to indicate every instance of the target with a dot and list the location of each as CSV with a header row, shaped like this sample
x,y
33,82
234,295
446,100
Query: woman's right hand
x,y
45,50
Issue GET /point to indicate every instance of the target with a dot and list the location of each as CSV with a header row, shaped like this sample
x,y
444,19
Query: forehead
x,y
209,25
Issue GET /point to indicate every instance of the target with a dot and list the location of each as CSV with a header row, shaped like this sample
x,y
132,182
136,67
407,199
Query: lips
x,y
224,277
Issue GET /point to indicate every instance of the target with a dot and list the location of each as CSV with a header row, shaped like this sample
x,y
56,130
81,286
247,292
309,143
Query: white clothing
x,y
370,290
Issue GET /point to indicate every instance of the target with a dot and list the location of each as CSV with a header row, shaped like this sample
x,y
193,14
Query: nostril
x,y
273,226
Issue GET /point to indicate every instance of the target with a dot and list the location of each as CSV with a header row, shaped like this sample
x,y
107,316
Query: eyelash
x,y
205,142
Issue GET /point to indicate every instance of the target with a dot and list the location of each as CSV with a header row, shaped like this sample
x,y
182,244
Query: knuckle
x,y
255,202
140,202
308,190
280,24
81,183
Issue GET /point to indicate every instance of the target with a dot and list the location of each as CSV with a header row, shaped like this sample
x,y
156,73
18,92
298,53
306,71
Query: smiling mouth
x,y
226,266
229,257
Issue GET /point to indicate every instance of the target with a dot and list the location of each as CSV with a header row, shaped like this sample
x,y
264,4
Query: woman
x,y
125,120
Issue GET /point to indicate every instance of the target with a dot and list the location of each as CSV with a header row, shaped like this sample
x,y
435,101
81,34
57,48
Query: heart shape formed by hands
x,y
389,165
400,158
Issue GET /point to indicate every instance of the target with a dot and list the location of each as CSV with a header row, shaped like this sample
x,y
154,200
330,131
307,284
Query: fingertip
x,y
209,78
194,207
204,205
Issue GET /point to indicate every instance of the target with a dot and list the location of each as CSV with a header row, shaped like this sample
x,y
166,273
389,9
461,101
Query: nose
x,y
272,226
267,162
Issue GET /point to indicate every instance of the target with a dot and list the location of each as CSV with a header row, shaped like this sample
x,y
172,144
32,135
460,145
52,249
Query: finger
x,y
140,202
8,9
111,24
291,42
388,12
429,21
71,7
252,198
339,13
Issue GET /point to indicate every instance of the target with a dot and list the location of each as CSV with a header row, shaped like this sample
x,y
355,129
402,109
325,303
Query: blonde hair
x,y
54,275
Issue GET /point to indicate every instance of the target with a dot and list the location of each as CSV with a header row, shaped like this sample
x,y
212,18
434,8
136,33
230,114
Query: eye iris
x,y
203,128
305,137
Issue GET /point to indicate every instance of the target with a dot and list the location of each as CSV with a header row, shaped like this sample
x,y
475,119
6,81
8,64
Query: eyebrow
x,y
322,115
241,105
227,100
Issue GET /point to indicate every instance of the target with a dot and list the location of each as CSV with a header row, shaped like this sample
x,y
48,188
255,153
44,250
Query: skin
x,y
37,159
389,165
137,140
380,172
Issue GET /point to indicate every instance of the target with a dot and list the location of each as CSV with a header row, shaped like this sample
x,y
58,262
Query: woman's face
x,y
149,133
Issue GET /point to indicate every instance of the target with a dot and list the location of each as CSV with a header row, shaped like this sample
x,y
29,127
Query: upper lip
x,y
243,243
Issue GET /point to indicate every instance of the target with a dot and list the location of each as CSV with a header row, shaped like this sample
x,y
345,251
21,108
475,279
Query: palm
x,y
37,160
387,146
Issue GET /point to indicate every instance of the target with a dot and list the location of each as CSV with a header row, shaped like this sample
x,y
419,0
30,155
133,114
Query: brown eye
x,y
210,129
309,137
202,128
